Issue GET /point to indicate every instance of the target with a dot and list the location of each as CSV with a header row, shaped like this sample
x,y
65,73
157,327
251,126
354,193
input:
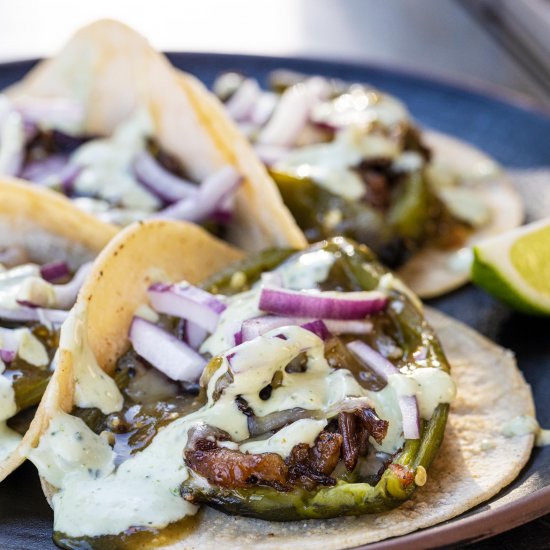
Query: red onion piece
x,y
10,345
411,417
241,104
292,112
372,359
212,194
40,171
56,112
42,315
318,328
55,270
270,154
165,352
7,355
251,328
195,335
187,302
65,295
152,175
264,108
289,118
321,305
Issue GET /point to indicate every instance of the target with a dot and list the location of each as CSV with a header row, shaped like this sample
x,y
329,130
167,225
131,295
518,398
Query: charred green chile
x,y
355,268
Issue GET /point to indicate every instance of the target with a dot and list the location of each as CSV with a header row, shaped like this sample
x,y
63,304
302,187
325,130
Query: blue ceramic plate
x,y
516,134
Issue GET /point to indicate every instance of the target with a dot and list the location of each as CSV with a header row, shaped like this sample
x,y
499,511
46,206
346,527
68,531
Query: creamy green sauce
x,y
93,388
107,164
331,164
524,425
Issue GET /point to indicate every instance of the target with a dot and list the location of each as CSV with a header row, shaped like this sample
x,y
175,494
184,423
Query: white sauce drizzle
x,y
9,439
330,164
93,388
107,165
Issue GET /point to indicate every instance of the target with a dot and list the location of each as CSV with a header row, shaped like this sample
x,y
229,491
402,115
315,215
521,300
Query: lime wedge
x,y
515,267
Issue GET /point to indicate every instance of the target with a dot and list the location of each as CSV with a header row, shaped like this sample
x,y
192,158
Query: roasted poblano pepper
x,y
355,268
393,234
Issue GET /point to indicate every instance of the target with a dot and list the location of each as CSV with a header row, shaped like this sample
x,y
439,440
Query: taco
x,y
349,161
111,125
46,246
239,390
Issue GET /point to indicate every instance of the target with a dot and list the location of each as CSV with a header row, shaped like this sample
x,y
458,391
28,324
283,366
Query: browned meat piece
x,y
375,174
375,427
347,426
234,470
325,454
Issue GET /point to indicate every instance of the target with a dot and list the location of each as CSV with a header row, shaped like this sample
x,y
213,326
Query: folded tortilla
x,y
474,463
113,72
49,228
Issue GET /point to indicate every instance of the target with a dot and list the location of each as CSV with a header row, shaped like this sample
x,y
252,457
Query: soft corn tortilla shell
x,y
113,71
474,463
432,272
50,228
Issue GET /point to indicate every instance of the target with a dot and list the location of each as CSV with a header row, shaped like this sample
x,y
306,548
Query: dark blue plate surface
x,y
513,132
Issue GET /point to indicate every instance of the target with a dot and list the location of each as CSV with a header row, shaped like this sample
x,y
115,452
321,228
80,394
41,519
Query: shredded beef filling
x,y
305,467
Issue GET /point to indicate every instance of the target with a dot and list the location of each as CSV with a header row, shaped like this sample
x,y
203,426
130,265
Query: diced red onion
x,y
165,352
270,154
321,305
195,335
251,328
10,344
187,302
40,171
165,185
318,328
25,314
54,271
241,104
289,118
372,359
7,355
292,112
56,112
264,108
65,295
212,193
411,419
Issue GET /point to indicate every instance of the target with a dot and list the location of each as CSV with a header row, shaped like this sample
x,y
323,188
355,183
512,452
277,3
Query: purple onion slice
x,y
54,271
25,314
165,352
374,360
322,305
165,185
211,197
187,302
411,419
251,328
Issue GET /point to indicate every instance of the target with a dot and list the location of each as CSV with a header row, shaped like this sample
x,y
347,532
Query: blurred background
x,y
502,43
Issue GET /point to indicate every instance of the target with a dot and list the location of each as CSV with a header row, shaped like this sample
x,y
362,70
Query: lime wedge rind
x,y
494,271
